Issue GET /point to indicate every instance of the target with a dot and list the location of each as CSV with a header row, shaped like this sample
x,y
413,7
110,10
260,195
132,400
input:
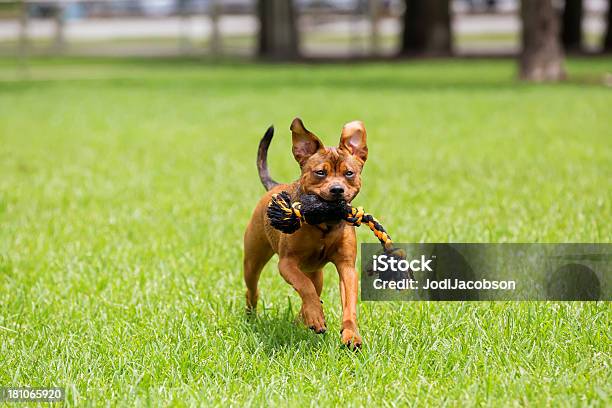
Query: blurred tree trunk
x,y
215,33
607,45
24,22
427,28
60,27
278,35
374,16
541,58
571,34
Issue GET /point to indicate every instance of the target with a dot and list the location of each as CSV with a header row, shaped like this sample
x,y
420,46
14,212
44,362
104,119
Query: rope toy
x,y
288,217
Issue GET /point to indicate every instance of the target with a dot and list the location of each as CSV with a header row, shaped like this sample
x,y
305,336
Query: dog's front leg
x,y
312,311
349,286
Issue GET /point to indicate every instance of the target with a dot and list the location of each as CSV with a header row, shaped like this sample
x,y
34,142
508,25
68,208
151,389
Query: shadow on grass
x,y
275,331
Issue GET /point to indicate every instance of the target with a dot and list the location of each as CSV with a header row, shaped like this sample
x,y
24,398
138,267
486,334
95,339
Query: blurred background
x,y
128,135
291,29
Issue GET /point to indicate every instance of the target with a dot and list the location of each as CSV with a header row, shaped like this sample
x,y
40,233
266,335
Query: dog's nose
x,y
336,190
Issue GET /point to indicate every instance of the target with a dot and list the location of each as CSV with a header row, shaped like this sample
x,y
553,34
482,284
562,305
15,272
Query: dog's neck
x,y
327,227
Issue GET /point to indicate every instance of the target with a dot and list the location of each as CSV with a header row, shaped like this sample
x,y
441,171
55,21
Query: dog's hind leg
x,y
257,252
254,261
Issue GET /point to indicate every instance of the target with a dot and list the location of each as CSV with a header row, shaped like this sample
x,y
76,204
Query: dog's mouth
x,y
322,210
332,200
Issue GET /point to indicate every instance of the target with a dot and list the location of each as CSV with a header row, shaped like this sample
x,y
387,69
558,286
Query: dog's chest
x,y
315,259
318,249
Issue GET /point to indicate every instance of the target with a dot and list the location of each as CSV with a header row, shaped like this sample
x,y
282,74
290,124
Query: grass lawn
x,y
125,187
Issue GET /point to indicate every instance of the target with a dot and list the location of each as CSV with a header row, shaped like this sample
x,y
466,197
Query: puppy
x,y
332,173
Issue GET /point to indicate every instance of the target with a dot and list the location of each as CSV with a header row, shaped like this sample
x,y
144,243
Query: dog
x,y
332,173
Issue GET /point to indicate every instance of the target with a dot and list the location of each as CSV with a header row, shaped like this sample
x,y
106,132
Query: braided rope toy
x,y
288,217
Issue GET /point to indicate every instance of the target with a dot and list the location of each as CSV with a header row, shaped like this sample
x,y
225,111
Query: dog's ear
x,y
353,140
305,144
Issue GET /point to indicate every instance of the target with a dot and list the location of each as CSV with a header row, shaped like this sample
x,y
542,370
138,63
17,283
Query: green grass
x,y
125,187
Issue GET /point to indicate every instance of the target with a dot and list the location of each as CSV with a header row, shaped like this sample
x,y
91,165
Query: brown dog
x,y
332,173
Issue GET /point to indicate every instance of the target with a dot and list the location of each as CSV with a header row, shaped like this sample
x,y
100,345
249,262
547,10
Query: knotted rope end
x,y
283,215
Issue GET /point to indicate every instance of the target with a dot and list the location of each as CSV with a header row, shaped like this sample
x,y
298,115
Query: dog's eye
x,y
321,173
349,174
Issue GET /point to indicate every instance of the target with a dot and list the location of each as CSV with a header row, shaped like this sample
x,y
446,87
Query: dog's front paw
x,y
351,338
312,317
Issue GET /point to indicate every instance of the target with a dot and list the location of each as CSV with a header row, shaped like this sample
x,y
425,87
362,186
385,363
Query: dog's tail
x,y
262,159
